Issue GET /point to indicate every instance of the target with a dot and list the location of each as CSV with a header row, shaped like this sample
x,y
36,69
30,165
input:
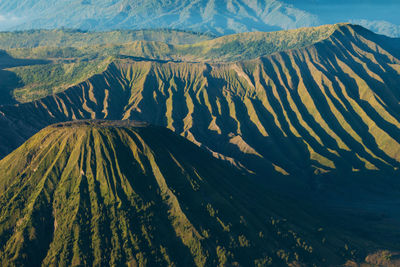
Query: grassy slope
x,y
103,193
227,48
68,63
9,80
37,81
245,46
75,38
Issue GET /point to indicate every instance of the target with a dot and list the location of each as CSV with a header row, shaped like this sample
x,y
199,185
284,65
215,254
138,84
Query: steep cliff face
x,y
331,105
116,193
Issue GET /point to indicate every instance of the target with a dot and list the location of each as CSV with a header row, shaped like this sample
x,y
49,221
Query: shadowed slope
x,y
9,80
114,193
329,106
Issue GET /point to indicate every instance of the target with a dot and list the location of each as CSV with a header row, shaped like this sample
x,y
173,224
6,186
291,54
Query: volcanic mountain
x,y
306,122
303,108
124,193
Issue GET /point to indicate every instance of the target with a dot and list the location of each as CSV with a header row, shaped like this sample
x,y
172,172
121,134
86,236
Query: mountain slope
x,y
325,107
67,66
77,38
223,49
217,16
112,193
199,15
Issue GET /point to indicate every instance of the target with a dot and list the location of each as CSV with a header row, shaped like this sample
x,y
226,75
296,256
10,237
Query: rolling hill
x,y
124,193
222,49
327,106
78,38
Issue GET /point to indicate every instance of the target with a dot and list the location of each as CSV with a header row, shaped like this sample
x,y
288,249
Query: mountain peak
x,y
125,193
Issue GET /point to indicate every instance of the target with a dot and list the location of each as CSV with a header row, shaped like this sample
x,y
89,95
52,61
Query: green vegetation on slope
x,y
118,193
9,81
77,38
41,80
37,81
255,44
227,48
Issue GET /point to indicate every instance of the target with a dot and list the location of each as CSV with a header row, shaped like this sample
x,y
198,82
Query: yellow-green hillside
x,y
226,48
120,193
75,56
78,38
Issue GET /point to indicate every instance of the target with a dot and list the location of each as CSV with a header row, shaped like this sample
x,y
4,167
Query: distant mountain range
x,y
216,16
